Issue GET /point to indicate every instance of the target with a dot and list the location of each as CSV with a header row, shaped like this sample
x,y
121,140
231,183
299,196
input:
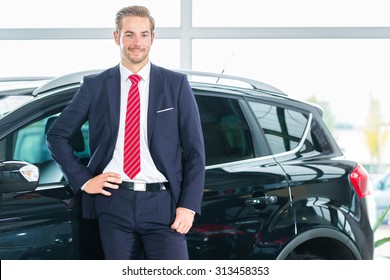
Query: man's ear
x,y
116,37
152,37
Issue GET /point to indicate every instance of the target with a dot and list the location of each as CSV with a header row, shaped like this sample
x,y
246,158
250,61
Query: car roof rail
x,y
24,79
77,77
73,78
19,87
252,83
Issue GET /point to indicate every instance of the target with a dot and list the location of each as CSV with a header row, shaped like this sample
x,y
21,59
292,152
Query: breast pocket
x,y
167,123
166,110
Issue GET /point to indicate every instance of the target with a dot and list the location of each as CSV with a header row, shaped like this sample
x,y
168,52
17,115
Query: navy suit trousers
x,y
137,225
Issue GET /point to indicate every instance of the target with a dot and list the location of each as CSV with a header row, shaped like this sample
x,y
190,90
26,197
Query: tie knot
x,y
134,78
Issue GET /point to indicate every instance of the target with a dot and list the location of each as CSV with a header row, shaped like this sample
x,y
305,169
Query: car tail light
x,y
359,180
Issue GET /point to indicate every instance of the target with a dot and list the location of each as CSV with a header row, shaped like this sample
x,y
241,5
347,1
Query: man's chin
x,y
137,60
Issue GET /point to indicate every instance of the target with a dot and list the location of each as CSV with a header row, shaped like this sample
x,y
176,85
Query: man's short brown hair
x,y
136,11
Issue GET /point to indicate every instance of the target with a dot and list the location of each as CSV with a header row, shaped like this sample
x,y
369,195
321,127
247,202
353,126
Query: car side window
x,y
225,130
28,144
283,128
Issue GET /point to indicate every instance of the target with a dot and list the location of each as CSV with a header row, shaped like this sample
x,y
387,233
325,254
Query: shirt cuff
x,y
193,212
82,187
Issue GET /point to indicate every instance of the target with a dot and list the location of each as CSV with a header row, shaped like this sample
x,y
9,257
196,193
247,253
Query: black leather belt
x,y
143,187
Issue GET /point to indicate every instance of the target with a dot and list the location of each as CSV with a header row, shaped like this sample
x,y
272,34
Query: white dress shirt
x,y
149,172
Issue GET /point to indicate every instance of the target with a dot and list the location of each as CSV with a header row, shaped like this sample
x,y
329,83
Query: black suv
x,y
277,185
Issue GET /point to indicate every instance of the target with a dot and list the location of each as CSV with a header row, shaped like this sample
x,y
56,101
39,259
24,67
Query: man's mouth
x,y
136,50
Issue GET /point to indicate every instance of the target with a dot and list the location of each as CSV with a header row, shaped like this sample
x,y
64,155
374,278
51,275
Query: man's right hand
x,y
106,180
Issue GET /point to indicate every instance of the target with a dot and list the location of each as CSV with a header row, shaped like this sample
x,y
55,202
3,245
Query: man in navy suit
x,y
146,216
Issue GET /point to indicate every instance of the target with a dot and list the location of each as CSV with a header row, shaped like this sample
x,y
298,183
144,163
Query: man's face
x,y
135,40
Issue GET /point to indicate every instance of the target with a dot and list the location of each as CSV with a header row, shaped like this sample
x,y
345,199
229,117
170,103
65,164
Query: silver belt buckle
x,y
139,187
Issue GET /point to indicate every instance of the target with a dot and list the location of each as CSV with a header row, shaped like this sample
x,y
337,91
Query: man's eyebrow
x,y
143,32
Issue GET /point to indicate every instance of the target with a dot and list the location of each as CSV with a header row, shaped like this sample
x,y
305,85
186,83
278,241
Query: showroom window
x,y
297,13
61,57
338,71
80,14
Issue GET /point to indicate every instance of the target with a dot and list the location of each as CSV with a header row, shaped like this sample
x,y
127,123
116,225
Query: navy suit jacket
x,y
174,136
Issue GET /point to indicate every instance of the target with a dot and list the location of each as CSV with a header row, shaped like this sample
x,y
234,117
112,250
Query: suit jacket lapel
x,y
155,91
113,94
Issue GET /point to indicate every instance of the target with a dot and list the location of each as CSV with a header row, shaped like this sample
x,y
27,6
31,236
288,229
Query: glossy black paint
x,y
11,178
322,198
46,224
228,228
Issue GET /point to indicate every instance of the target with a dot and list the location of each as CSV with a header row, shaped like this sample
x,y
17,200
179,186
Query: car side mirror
x,y
16,176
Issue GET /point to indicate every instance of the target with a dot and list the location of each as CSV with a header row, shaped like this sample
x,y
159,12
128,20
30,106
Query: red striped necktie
x,y
132,161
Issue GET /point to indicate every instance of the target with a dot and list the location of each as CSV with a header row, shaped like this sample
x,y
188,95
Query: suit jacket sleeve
x,y
59,138
193,150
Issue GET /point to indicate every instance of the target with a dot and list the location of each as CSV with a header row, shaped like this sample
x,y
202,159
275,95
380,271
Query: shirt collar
x,y
144,72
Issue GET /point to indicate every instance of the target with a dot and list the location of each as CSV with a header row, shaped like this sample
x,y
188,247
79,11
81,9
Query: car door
x,y
44,223
245,210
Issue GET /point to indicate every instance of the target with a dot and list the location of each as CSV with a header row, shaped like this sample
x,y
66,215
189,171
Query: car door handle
x,y
272,199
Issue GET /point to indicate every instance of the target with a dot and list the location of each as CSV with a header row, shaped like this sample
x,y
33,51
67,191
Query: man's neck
x,y
135,67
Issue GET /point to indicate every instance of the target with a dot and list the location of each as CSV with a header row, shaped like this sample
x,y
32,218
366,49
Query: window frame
x,y
284,106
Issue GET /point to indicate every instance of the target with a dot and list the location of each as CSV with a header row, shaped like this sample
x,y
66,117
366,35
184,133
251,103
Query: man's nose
x,y
137,40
